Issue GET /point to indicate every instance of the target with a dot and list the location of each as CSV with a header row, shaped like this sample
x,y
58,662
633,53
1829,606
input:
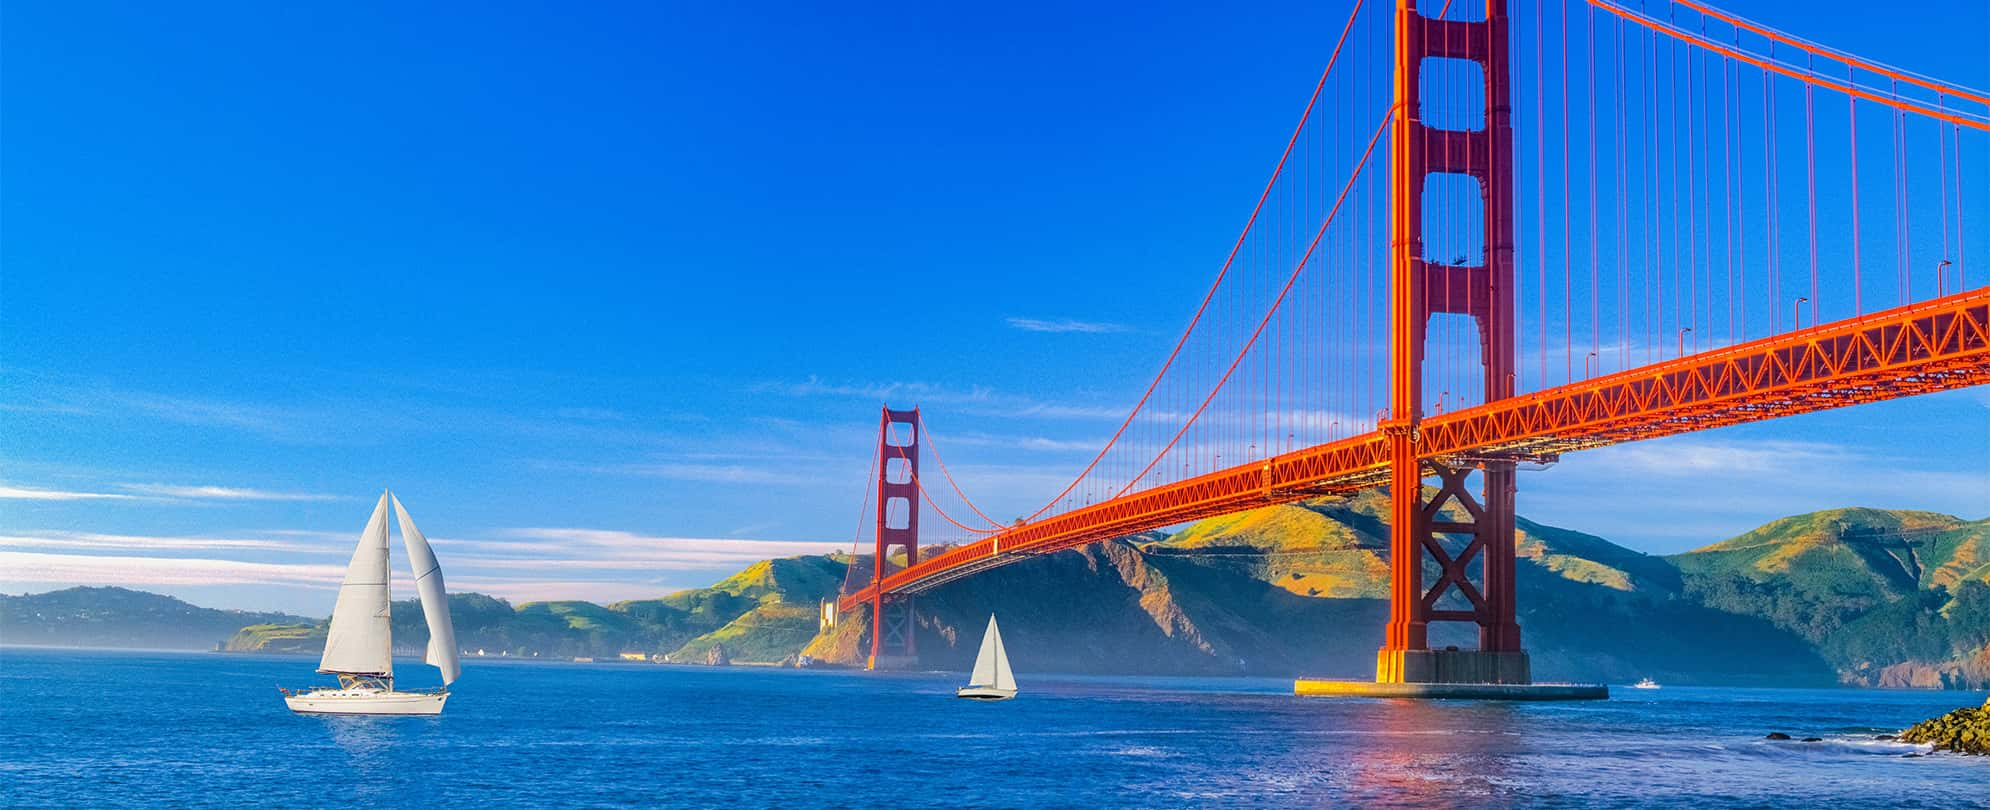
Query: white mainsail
x,y
361,638
434,599
991,666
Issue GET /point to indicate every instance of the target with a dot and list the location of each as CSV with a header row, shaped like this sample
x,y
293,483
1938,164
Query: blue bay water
x,y
209,730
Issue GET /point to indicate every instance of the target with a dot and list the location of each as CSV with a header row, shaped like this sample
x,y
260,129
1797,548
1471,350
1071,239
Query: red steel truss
x,y
1935,345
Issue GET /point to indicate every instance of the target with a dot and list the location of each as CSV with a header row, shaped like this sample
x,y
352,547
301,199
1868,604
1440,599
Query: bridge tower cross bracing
x,y
892,618
1482,290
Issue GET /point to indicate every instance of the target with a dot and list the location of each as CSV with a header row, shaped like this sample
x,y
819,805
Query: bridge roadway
x,y
1921,348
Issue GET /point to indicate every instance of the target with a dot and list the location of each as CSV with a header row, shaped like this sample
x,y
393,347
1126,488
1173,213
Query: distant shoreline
x,y
505,659
1060,676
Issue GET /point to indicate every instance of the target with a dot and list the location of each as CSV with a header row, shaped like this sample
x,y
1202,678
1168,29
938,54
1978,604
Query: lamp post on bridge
x,y
1796,312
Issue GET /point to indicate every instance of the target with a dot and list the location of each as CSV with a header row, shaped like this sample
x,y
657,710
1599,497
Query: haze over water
x,y
204,730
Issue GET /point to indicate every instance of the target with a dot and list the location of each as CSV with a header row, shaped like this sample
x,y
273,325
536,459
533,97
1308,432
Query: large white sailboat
x,y
359,646
992,678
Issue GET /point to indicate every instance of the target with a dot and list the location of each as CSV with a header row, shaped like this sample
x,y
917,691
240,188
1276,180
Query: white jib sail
x,y
361,638
434,599
991,666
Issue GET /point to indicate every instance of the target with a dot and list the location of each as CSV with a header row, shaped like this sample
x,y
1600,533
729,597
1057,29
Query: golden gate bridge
x,y
1728,224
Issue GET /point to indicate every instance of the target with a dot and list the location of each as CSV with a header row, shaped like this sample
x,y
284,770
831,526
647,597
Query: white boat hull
x,y
366,701
984,693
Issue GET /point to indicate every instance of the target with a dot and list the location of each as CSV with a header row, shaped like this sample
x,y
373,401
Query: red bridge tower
x,y
897,528
1482,150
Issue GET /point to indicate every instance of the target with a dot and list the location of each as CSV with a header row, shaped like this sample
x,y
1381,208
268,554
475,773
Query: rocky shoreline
x,y
1964,731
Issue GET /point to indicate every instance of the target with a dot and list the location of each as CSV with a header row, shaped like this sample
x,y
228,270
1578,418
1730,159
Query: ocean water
x,y
105,728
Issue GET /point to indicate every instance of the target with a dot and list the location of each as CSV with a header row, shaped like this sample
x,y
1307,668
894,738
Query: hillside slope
x,y
1861,596
120,617
763,614
1890,598
1301,588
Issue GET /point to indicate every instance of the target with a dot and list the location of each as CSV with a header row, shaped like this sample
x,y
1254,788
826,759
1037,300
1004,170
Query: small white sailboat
x,y
359,646
992,678
1645,683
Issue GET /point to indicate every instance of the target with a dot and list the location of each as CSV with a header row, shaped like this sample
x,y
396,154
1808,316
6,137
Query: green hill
x,y
1302,588
1855,595
1860,596
764,614
1890,598
120,617
1852,553
278,638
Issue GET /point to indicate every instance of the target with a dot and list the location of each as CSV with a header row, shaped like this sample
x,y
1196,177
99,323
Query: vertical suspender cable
x,y
1693,207
1541,190
1770,182
1568,298
1900,193
1810,173
1595,240
1623,196
1852,116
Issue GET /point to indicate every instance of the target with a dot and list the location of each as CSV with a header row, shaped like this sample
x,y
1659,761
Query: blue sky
x,y
611,299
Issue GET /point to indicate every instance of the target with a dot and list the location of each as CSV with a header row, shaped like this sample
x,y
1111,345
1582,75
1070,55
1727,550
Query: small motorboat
x,y
992,679
1645,683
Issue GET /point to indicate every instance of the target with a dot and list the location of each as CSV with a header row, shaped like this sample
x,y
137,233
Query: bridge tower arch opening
x,y
892,619
1466,537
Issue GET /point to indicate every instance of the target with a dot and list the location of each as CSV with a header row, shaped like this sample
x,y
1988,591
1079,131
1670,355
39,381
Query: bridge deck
x,y
1921,348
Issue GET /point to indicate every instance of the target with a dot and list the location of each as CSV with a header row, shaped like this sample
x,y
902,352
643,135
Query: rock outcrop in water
x,y
1964,730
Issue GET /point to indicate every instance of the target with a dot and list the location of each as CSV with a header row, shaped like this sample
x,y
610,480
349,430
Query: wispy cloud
x,y
1696,457
202,411
58,395
702,472
633,547
591,414
520,591
157,493
44,408
975,401
1038,443
93,541
598,564
1050,410
140,572
221,493
19,493
1682,492
817,387
751,528
1065,325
